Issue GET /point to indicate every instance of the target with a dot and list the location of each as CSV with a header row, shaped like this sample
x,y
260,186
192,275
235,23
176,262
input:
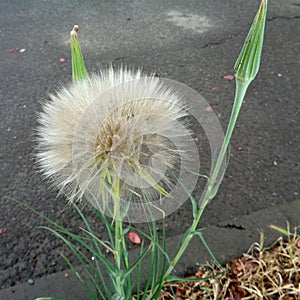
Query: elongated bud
x,y
247,64
78,68
246,68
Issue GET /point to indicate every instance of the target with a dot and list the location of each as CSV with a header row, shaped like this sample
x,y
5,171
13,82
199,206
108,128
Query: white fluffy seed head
x,y
117,128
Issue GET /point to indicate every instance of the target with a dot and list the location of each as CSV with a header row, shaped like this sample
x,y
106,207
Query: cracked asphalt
x,y
192,42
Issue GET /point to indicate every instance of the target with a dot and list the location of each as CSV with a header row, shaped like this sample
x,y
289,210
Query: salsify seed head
x,y
113,137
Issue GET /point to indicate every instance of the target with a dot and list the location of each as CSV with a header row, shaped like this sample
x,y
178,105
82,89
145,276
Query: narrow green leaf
x,y
173,278
78,67
117,297
248,62
52,298
207,248
155,243
80,278
164,247
96,248
281,230
138,261
193,200
80,256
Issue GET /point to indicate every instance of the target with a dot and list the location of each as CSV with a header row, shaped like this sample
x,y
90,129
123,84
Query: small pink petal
x,y
240,148
208,109
62,60
213,88
134,237
229,77
2,230
12,50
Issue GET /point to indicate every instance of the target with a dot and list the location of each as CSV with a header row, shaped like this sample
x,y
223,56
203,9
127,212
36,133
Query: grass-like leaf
x,y
173,278
207,248
52,298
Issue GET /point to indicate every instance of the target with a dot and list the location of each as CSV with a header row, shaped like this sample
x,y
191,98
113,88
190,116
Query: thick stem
x,y
246,68
118,245
186,241
241,88
119,240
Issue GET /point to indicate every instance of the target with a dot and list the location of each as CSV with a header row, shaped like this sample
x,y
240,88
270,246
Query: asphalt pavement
x,y
193,42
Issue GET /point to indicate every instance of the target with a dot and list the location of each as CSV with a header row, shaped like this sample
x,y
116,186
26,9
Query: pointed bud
x,y
78,68
247,64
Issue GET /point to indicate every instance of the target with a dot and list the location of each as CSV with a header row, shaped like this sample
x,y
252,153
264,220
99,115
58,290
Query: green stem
x,y
119,240
118,243
246,68
241,88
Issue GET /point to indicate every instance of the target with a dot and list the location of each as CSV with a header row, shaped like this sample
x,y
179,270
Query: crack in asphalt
x,y
232,226
221,41
283,17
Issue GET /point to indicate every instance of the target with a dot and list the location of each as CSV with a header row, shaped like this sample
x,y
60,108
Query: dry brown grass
x,y
262,273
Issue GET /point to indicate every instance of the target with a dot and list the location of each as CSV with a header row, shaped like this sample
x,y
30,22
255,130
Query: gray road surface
x,y
194,42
